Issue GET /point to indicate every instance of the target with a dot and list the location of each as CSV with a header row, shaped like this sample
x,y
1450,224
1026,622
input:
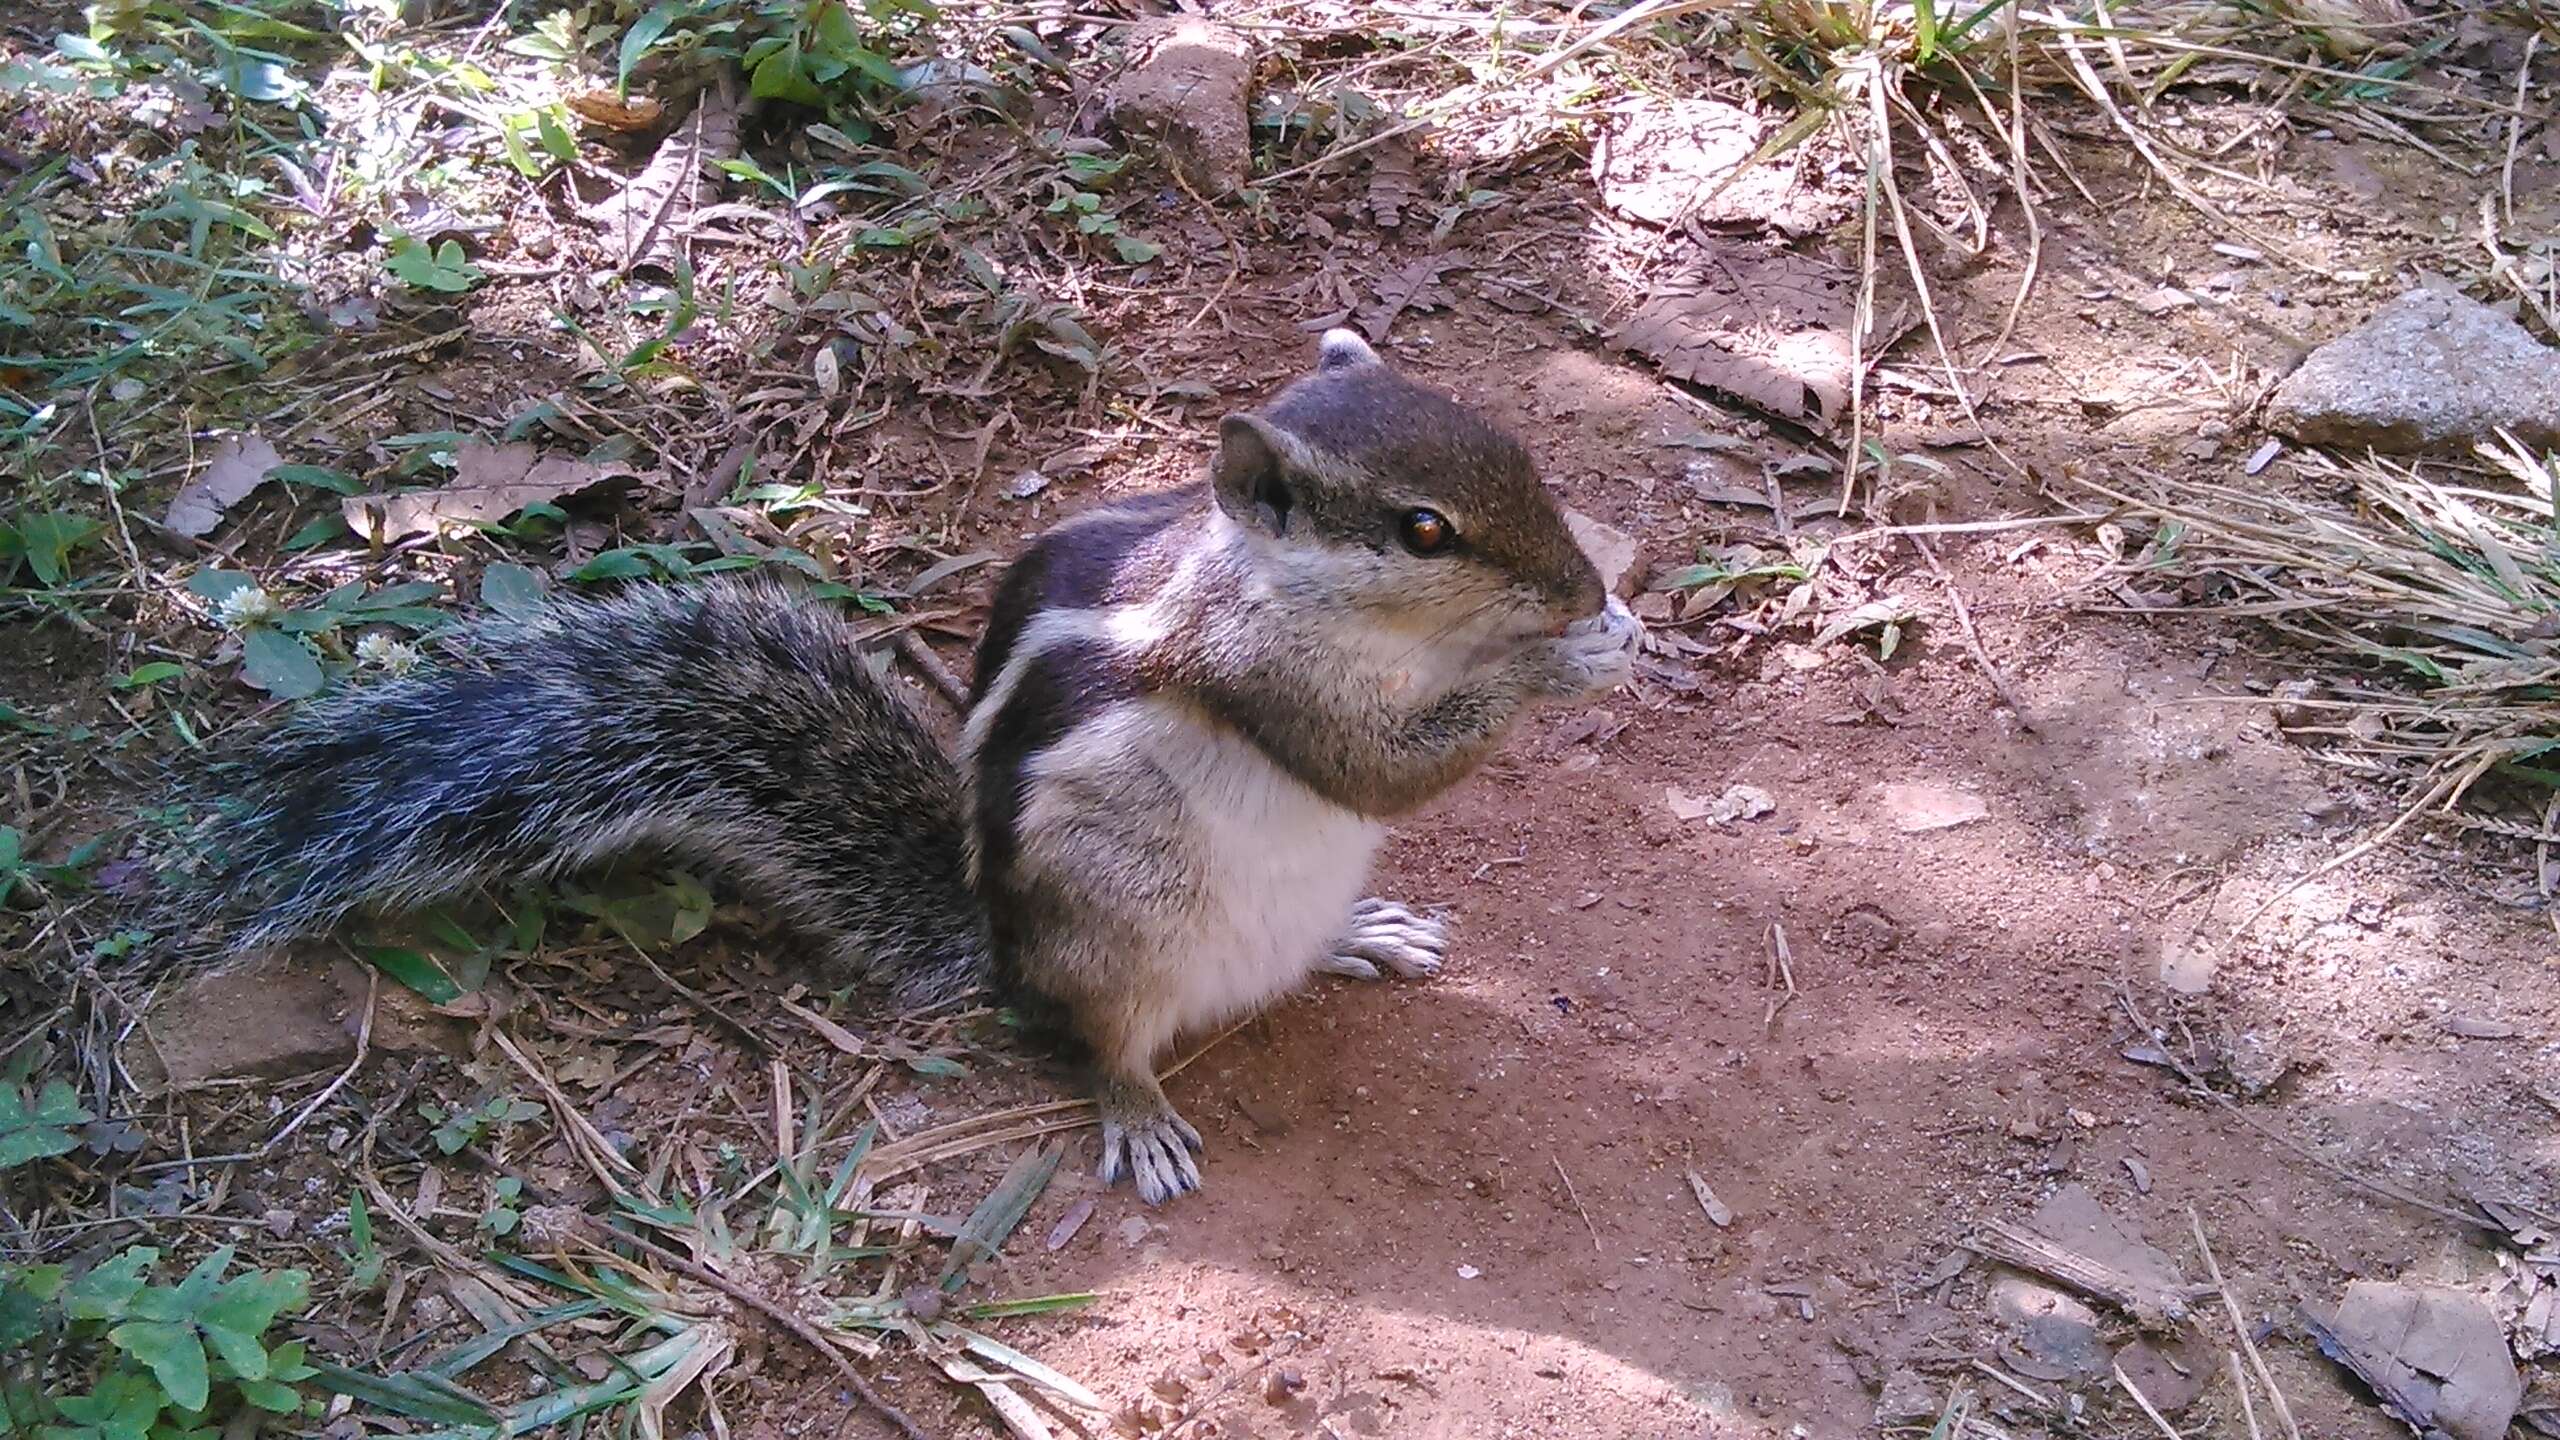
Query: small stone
x,y
2162,300
2432,369
1186,93
1908,1398
1918,807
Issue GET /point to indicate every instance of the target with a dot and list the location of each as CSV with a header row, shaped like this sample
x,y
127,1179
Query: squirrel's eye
x,y
1428,532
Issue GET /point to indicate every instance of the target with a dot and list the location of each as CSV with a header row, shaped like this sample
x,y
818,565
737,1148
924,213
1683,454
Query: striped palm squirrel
x,y
1193,715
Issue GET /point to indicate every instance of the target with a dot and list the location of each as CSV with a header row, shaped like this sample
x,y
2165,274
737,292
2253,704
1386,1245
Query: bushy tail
x,y
728,725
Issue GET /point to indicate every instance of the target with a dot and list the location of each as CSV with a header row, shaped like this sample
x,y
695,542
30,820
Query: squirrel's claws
x,y
1382,932
1155,1152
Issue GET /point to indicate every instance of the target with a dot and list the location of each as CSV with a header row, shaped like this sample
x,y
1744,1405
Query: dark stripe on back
x,y
1061,688
1078,566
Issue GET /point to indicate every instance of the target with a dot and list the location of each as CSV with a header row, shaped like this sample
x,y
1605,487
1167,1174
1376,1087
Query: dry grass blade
x,y
798,1327
2150,1411
2431,607
984,1232
2240,1328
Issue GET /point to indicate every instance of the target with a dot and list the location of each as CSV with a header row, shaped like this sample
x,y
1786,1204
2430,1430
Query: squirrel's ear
x,y
1251,474
1341,349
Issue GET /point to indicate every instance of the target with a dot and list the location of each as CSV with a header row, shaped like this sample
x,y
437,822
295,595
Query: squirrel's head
x,y
1368,490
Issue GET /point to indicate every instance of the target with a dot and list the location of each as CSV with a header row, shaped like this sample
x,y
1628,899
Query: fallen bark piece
x,y
2078,1245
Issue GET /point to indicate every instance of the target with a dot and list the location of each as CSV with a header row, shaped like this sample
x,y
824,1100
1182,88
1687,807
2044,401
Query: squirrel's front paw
x,y
1595,654
1382,932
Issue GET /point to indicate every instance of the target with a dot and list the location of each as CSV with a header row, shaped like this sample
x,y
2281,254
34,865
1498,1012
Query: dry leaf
x,y
616,112
1887,610
1613,551
1719,1213
2435,1357
1391,184
828,1030
1772,331
491,482
1411,286
239,465
644,220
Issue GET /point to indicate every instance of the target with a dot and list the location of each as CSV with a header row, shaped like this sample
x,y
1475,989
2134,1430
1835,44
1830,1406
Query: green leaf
x,y
555,142
215,586
415,971
121,1408
779,76
200,1286
443,268
235,1318
997,1216
36,1132
22,1297
512,590
391,597
317,477
286,1363
279,664
318,531
271,1396
624,564
1134,250
151,674
644,32
175,1356
511,136
420,1397
47,540
107,1289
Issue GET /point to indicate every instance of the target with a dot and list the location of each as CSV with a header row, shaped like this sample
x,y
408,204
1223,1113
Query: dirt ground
x,y
1470,1207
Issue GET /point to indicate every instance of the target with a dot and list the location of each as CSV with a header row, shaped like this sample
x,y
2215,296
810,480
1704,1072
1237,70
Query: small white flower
x,y
249,606
396,657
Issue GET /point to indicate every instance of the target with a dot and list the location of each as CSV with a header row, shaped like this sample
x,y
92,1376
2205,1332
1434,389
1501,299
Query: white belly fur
x,y
1282,866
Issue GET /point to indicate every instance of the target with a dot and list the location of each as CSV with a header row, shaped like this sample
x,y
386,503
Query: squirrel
x,y
1192,716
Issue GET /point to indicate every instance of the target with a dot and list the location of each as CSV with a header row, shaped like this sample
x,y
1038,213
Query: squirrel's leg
x,y
1142,1134
1381,932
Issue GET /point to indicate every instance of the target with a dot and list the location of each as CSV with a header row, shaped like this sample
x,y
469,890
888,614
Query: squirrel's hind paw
x,y
1382,932
1152,1144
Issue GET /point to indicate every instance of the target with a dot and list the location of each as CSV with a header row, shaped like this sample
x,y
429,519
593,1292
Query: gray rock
x,y
2430,370
1184,95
